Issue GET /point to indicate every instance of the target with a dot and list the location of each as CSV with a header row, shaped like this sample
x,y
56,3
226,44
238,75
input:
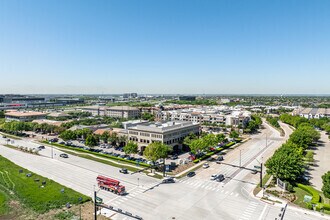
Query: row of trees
x,y
287,161
18,127
93,139
203,143
273,121
295,121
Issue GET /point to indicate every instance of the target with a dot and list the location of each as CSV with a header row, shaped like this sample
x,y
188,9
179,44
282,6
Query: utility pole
x,y
164,168
95,206
261,175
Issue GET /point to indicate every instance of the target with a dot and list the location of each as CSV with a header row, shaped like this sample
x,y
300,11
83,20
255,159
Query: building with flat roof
x,y
114,112
208,115
310,113
171,133
24,116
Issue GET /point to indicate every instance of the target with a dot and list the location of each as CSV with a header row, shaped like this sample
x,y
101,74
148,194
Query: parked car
x,y
174,157
64,156
168,180
123,170
191,174
206,165
41,147
62,142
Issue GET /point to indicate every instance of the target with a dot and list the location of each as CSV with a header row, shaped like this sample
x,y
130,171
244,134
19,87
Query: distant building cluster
x,y
114,112
24,116
22,101
310,113
208,115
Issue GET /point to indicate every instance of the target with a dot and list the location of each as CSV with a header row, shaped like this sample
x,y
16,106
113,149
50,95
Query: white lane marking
x,y
263,212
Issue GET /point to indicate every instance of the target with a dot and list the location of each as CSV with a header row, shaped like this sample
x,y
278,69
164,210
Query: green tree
x,y
105,136
91,140
188,139
68,135
147,116
326,184
131,148
304,136
156,151
2,114
286,163
234,134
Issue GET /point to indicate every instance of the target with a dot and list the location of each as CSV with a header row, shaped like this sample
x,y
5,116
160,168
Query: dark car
x,y
219,159
191,174
220,178
62,142
64,156
168,180
174,157
123,170
41,147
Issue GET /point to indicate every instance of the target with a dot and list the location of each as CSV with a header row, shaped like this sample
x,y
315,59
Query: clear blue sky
x,y
169,46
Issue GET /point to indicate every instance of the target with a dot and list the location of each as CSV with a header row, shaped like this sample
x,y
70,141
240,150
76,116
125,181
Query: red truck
x,y
111,185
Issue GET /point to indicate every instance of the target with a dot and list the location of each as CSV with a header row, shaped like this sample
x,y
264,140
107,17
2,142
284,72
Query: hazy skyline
x,y
165,47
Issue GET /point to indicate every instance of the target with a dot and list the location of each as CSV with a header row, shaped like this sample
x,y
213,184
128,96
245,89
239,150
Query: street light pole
x,y
95,207
52,153
240,158
261,175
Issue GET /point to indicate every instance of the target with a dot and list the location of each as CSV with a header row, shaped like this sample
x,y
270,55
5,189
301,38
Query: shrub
x,y
316,196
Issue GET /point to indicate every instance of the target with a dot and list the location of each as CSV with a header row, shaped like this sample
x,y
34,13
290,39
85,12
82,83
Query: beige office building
x,y
171,133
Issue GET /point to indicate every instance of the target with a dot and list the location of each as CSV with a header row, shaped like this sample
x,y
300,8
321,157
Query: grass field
x,y
300,193
31,192
3,203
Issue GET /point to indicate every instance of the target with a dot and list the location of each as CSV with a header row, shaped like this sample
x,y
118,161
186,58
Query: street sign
x,y
98,200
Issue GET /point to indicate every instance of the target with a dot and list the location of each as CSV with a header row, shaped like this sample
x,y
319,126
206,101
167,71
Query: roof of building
x,y
50,122
102,130
24,114
163,126
59,114
122,108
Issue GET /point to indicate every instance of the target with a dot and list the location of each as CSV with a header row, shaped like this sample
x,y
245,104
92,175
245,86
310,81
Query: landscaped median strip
x,y
102,158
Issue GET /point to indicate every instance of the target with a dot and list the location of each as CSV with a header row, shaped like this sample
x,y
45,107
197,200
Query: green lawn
x,y
31,193
300,193
3,203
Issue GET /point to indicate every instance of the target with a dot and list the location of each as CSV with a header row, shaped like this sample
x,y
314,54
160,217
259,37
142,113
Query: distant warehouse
x,y
114,112
24,116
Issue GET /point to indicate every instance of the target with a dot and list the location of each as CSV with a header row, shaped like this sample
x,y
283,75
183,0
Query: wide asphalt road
x,y
189,198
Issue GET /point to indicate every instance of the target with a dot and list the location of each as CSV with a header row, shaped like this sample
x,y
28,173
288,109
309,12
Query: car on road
x,y
168,180
191,174
4,136
123,170
206,165
214,176
219,159
41,147
64,156
220,178
254,171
